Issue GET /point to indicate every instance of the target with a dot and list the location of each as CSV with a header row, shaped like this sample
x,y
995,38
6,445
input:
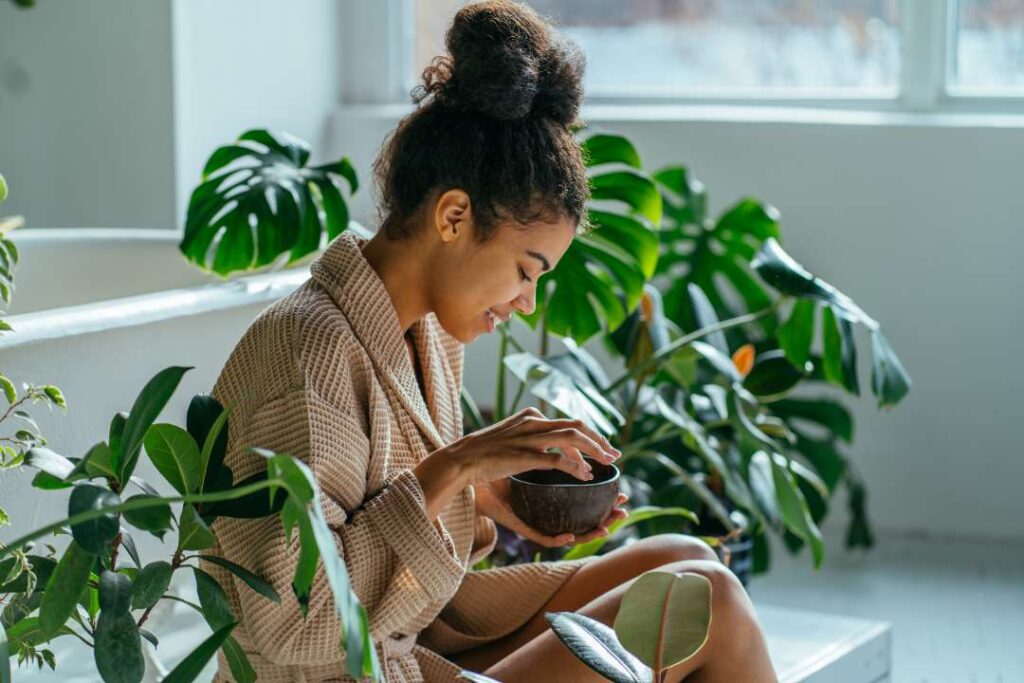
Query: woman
x,y
359,372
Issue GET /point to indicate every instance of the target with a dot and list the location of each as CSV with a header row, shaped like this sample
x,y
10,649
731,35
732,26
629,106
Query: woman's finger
x,y
601,447
523,529
568,437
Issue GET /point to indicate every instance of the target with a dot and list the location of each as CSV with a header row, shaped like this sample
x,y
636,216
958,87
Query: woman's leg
x,y
600,577
735,649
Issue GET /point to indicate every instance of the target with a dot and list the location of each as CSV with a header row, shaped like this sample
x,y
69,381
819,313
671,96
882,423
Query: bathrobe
x,y
324,374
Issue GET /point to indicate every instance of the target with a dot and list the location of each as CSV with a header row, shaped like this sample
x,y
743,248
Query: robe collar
x,y
343,271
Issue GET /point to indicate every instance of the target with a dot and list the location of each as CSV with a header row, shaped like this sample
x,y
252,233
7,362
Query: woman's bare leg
x,y
735,650
602,575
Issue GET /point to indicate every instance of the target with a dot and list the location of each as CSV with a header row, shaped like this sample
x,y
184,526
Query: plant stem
x,y
141,503
499,396
543,353
690,338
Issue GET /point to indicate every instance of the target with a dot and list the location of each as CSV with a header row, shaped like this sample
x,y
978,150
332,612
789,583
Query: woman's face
x,y
471,280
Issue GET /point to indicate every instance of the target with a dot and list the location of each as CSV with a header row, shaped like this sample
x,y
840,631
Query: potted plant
x,y
99,589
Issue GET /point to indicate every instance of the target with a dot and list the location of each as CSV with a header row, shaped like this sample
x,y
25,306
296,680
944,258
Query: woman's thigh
x,y
599,577
546,658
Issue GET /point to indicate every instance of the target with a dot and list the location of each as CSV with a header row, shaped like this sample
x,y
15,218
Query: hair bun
x,y
506,62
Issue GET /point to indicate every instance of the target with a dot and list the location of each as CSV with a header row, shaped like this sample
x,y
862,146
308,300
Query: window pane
x,y
701,46
990,45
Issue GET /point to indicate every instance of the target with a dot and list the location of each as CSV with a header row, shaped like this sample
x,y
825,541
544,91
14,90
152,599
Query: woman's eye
x,y
522,274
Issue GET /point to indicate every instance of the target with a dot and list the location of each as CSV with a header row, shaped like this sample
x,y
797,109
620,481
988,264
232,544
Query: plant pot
x,y
555,502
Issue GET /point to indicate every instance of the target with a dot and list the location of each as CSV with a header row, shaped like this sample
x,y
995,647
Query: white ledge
x,y
32,328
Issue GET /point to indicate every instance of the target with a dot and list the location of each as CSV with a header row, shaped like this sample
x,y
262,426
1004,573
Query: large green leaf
x,y
795,513
95,535
238,662
773,375
839,350
115,594
213,600
797,334
569,396
597,646
175,455
600,278
709,253
150,401
64,588
193,532
665,618
258,200
155,519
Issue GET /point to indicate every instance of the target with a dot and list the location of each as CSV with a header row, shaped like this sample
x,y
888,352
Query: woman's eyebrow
x,y
542,259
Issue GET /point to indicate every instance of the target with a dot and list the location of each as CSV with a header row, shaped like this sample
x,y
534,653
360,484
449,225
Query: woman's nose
x,y
525,303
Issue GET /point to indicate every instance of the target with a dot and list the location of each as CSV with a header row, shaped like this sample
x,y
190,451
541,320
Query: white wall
x,y
241,64
921,224
85,113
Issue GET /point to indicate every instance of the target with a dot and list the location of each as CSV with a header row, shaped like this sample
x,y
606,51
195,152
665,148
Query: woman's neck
x,y
400,266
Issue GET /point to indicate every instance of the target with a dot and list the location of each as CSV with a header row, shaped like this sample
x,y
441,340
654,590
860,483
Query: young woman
x,y
359,372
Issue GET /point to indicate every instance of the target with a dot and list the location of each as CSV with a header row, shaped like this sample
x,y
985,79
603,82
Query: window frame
x,y
924,86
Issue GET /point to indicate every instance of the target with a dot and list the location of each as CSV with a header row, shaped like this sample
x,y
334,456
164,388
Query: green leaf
x,y
53,464
608,148
475,677
705,316
204,416
213,600
193,533
211,443
150,584
258,200
175,455
118,651
257,583
151,400
797,333
772,375
150,637
795,513
55,396
821,411
664,618
3,189
889,380
635,516
597,646
94,535
241,668
8,388
155,519
190,667
63,588
42,567
115,592
840,350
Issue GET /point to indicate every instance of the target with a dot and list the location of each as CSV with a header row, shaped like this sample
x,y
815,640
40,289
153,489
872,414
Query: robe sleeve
x,y
399,562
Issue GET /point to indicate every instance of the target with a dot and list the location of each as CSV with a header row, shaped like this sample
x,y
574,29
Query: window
x,y
885,54
989,40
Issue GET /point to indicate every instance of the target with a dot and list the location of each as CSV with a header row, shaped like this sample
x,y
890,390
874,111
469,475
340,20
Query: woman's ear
x,y
452,214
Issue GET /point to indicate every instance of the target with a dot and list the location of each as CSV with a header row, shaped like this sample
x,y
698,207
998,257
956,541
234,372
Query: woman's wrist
x,y
440,477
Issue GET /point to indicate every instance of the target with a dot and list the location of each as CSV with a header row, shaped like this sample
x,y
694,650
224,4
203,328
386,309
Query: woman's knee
x,y
656,551
729,599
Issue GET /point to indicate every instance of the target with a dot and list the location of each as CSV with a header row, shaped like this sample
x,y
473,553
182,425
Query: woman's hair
x,y
496,117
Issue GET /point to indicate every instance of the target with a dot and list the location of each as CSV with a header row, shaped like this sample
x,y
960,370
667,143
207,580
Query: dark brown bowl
x,y
554,502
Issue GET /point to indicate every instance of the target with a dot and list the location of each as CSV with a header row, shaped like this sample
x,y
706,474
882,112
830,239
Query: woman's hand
x,y
519,443
492,500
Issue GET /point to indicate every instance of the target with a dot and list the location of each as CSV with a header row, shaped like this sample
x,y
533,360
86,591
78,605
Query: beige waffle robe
x,y
324,374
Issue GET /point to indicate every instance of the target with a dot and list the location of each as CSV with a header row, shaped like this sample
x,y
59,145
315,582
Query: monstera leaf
x,y
889,380
696,249
258,200
600,278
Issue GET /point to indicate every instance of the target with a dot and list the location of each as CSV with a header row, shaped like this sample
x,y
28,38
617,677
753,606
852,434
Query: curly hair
x,y
496,117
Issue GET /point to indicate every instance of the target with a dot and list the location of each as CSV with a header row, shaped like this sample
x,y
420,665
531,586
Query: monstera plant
x,y
100,591
258,200
717,341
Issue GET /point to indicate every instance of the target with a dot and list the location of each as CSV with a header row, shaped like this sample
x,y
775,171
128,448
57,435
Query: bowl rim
x,y
582,484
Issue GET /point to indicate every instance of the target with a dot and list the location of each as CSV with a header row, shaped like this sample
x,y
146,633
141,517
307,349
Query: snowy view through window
x,y
750,46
